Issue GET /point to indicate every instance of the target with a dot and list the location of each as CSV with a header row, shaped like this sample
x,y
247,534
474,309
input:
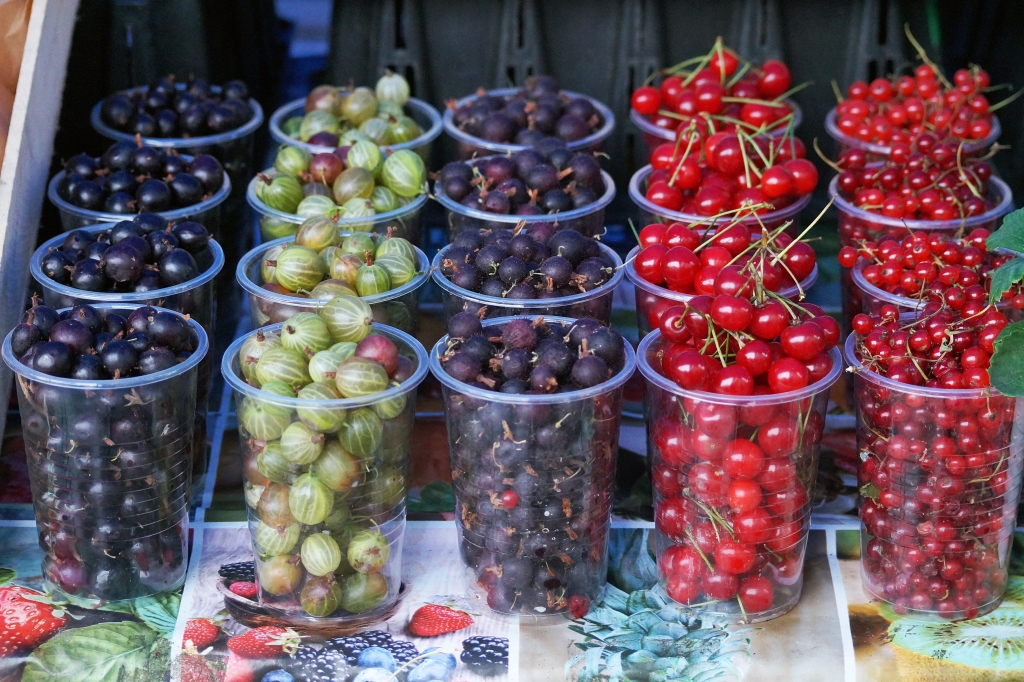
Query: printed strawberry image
x,y
431,620
266,641
244,588
27,619
195,669
239,669
200,633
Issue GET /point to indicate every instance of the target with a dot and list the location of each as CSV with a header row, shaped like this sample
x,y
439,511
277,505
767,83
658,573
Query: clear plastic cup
x,y
587,220
397,308
596,303
363,452
53,407
656,135
426,116
652,300
207,212
469,146
760,452
512,444
931,416
272,224
881,152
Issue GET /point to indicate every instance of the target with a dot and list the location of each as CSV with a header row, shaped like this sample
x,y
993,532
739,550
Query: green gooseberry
x,y
321,596
357,244
348,318
361,432
383,200
396,246
298,268
329,288
301,444
291,126
353,183
392,407
358,377
400,269
309,500
276,539
280,192
272,463
268,266
285,365
323,365
260,418
404,173
376,129
392,88
252,350
327,255
403,129
320,554
279,575
363,592
290,160
369,551
344,350
372,279
316,206
321,418
337,468
359,106
318,121
272,228
306,333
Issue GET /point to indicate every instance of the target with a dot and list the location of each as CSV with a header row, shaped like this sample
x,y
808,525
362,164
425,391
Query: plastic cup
x,y
398,308
596,303
697,435
469,146
424,114
52,408
513,443
404,221
587,220
881,152
207,212
655,135
375,462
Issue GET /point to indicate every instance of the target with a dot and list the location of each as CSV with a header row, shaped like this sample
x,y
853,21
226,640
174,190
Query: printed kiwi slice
x,y
992,642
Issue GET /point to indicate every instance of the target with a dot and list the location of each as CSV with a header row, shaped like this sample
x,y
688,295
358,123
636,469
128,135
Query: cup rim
x,y
450,382
514,219
289,109
1004,206
507,147
111,384
448,286
970,146
243,279
643,204
664,383
263,210
35,267
250,126
103,217
229,371
647,128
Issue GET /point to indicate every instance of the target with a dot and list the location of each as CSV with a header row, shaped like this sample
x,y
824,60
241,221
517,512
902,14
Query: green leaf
x,y
644,621
159,612
1010,234
1005,276
1006,368
106,652
7,575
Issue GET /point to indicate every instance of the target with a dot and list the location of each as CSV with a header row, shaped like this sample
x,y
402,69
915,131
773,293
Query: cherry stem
x,y
924,56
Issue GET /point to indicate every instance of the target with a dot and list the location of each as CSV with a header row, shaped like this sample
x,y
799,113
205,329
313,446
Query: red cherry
x,y
731,313
665,196
769,321
673,516
775,79
803,342
652,234
682,590
734,557
679,268
733,380
804,174
776,182
648,263
742,459
720,585
646,100
679,561
756,594
756,356
690,370
753,527
787,374
744,495
778,437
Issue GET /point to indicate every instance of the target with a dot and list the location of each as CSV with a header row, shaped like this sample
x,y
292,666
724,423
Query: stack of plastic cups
x,y
936,524
469,146
195,298
857,226
556,454
596,303
397,308
109,464
337,501
710,450
272,224
426,118
587,220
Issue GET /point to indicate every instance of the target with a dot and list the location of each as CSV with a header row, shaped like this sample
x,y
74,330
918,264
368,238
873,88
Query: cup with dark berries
x,y
543,185
531,270
737,388
941,464
107,395
326,406
533,407
508,120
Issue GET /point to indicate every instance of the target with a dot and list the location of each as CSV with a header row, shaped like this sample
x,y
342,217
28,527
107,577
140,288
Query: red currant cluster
x,y
931,181
706,175
718,89
938,499
903,109
937,267
728,260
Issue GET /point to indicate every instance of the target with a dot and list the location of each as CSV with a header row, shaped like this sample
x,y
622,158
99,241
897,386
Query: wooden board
x,y
26,164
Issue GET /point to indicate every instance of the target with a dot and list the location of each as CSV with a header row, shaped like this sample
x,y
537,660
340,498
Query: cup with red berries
x,y
737,390
876,118
677,261
719,89
941,466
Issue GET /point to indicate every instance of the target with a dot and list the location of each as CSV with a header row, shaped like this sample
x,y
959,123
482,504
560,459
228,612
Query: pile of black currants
x,y
110,459
133,178
532,467
535,112
164,110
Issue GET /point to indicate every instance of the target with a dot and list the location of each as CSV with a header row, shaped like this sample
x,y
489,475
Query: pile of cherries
x,y
134,178
546,179
715,91
729,260
938,499
928,180
536,111
906,108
